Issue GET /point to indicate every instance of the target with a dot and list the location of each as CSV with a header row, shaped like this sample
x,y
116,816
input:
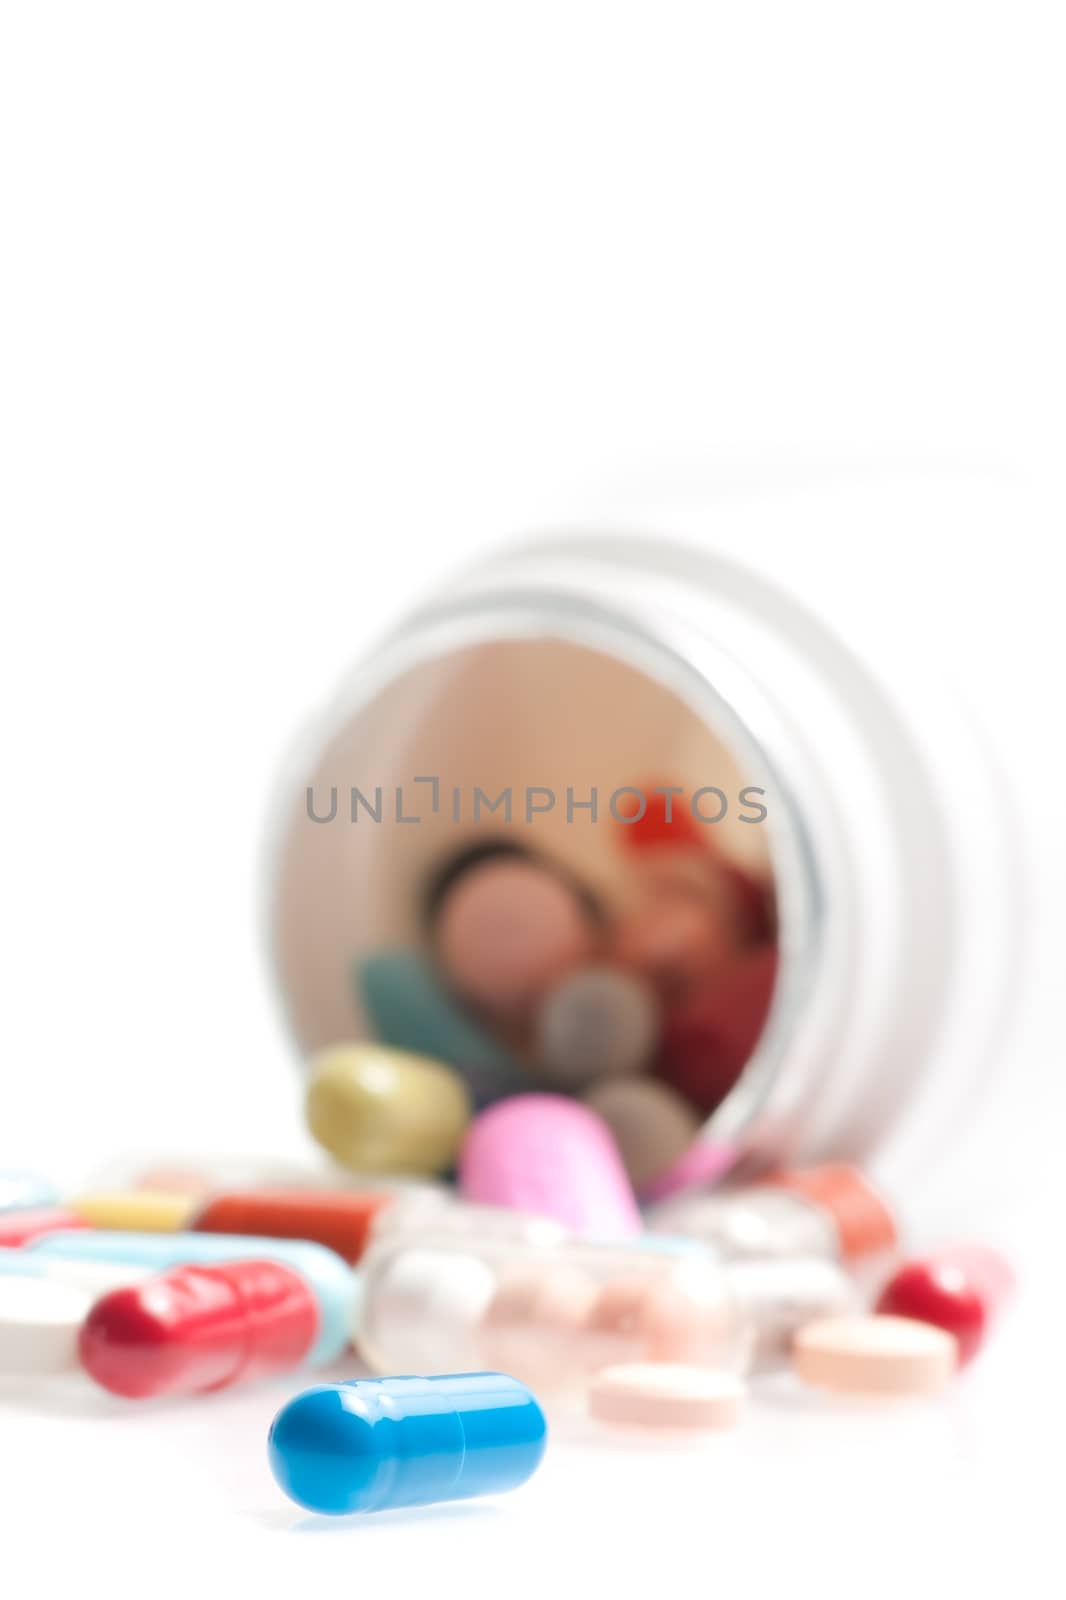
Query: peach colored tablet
x,y
507,930
656,1395
874,1355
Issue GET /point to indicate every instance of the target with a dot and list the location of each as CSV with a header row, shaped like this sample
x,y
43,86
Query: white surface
x,y
301,304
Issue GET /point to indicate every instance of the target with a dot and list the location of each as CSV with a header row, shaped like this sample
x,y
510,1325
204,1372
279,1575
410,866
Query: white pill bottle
x,y
601,662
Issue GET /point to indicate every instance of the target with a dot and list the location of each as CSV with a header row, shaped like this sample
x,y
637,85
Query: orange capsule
x,y
340,1219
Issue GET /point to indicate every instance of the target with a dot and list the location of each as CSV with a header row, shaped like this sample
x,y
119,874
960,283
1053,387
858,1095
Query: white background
x,y
302,304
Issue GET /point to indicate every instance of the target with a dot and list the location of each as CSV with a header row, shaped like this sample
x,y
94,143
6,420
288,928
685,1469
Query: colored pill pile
x,y
530,1223
495,1314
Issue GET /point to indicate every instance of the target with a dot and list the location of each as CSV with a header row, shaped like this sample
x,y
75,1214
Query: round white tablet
x,y
648,1394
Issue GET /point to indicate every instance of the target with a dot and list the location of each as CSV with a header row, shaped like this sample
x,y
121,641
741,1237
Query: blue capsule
x,y
379,1443
330,1279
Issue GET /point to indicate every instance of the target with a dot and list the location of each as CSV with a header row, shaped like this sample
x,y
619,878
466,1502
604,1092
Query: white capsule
x,y
599,1022
40,1320
424,1306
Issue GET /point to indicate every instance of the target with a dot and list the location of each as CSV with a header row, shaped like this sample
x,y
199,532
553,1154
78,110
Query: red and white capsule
x,y
198,1328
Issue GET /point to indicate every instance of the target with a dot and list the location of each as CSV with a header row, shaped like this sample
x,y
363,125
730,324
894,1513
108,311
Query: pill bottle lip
x,y
718,690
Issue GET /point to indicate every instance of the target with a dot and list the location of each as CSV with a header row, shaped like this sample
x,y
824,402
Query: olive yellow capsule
x,y
381,1110
137,1210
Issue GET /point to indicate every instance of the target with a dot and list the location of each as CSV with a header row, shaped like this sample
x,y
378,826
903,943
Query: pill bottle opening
x,y
549,854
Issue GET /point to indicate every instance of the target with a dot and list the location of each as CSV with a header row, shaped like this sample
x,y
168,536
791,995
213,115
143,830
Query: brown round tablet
x,y
874,1355
652,1124
507,929
649,1394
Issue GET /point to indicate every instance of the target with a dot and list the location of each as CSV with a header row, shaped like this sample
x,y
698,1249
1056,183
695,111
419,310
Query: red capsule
x,y
666,819
21,1227
960,1289
199,1328
707,1042
340,1219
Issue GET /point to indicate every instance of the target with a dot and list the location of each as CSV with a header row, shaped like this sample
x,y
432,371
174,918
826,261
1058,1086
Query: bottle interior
x,y
549,752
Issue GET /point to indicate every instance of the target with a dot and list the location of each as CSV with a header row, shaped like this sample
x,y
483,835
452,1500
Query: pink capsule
x,y
547,1154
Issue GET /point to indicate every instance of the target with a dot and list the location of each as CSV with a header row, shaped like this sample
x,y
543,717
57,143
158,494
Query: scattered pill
x,y
380,1443
552,1312
98,1277
424,1309
653,1395
960,1289
39,1323
535,1324
651,1123
506,930
340,1219
862,1222
143,1210
331,1280
21,1227
707,1041
550,1155
831,1211
381,1110
598,1022
24,1190
199,1328
876,1355
410,1008
650,1317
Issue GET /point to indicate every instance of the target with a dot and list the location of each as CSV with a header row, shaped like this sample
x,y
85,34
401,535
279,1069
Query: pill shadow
x,y
280,1520
783,1393
604,1438
61,1399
